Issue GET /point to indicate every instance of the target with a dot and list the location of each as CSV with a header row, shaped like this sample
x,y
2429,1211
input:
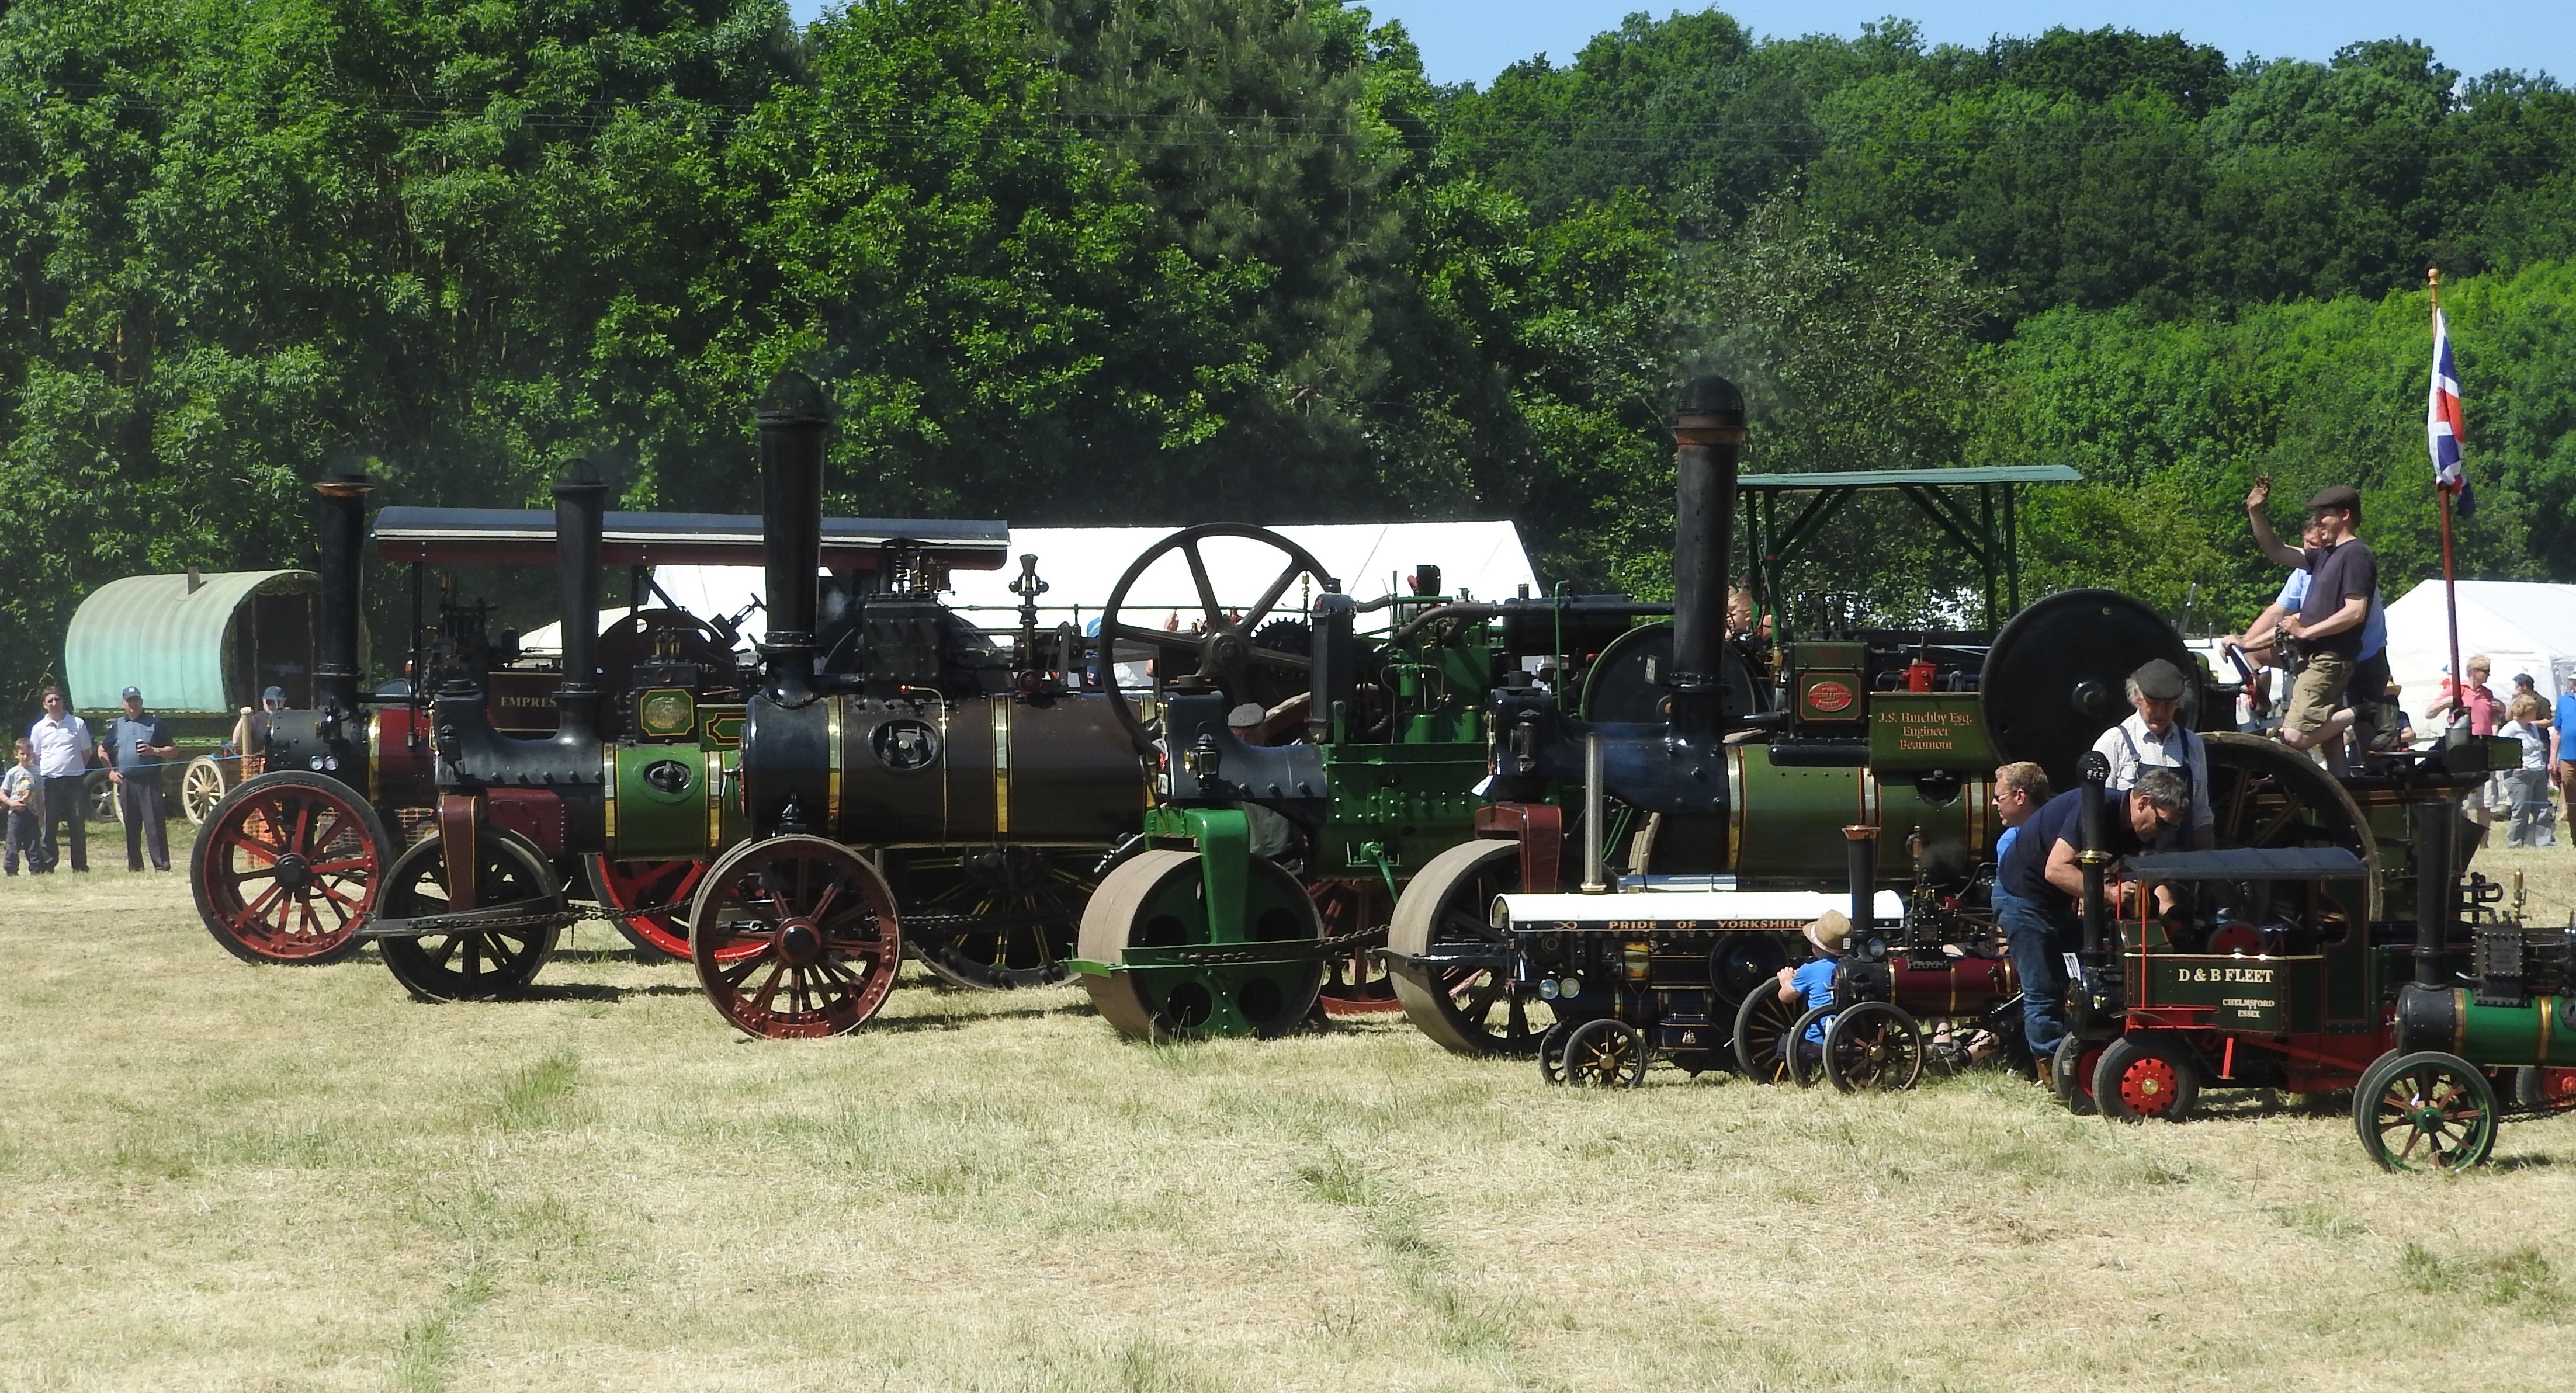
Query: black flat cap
x,y
2337,496
2159,681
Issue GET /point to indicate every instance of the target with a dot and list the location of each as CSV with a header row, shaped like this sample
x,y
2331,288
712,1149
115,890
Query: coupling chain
x,y
1270,953
476,921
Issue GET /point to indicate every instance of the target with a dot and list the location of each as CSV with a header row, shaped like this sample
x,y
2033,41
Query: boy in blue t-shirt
x,y
1813,981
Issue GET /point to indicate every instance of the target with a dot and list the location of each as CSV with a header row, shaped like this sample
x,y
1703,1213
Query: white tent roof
x,y
2522,626
1081,565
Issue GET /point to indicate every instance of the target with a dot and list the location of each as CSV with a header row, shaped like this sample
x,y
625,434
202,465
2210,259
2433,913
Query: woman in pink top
x,y
2484,709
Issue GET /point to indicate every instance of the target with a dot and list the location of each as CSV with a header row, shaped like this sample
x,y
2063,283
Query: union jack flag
x,y
2442,430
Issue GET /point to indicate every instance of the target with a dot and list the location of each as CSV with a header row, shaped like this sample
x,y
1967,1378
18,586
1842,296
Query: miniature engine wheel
x,y
1168,977
201,787
1551,1052
2144,1076
2544,1090
473,964
287,866
1806,1057
1452,968
2425,1111
630,885
2070,1074
1762,1025
1605,1054
795,937
1874,1046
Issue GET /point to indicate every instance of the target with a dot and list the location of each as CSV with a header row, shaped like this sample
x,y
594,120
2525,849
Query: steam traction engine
x,y
1739,823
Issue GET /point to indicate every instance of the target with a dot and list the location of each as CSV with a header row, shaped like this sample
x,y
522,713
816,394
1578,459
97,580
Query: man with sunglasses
x,y
2042,888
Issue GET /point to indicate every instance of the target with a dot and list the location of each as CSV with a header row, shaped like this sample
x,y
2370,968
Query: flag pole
x,y
2450,582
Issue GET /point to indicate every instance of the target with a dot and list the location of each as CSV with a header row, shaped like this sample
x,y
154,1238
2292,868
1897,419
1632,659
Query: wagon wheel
x,y
795,936
2425,1111
1761,1023
1551,1052
201,787
2263,794
1804,1072
1873,1046
287,866
2146,1076
1153,905
997,917
103,806
481,964
2070,1074
1356,982
625,885
1605,1054
1471,1004
1223,652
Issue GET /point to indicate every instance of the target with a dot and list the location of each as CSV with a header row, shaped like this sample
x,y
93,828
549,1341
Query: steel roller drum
x,y
2056,676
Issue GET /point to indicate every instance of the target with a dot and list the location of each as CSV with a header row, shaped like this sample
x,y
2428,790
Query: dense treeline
x,y
1168,260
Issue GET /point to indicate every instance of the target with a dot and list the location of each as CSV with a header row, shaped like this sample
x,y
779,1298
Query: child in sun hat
x,y
1812,982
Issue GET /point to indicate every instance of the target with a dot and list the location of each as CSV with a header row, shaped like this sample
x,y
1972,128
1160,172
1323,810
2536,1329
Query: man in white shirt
x,y
62,745
2152,738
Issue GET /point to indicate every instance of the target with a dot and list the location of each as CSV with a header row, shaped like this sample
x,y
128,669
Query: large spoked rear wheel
x,y
475,964
287,866
795,936
1452,969
1169,980
993,918
2425,1111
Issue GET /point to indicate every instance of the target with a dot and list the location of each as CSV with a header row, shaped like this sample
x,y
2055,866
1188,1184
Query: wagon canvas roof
x,y
526,536
155,633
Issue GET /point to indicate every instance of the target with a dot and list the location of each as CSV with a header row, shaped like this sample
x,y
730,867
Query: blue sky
x,y
1471,40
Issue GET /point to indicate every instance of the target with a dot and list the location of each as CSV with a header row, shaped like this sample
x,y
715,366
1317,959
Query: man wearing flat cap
x,y
2154,737
2343,576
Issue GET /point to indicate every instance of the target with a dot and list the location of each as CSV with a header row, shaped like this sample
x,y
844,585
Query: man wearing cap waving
x,y
2152,738
2328,627
136,744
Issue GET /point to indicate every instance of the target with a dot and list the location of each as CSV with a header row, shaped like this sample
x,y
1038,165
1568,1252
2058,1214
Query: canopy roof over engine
x,y
1977,508
2252,863
526,537
194,643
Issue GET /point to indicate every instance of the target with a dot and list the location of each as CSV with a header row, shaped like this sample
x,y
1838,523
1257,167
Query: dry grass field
x,y
214,1176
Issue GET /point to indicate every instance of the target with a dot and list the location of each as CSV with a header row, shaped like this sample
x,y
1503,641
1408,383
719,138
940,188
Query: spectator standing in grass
x,y
2527,788
20,792
136,743
2562,745
61,742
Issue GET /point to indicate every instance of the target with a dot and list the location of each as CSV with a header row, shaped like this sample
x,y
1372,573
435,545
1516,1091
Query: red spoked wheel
x,y
1355,982
286,868
795,936
624,885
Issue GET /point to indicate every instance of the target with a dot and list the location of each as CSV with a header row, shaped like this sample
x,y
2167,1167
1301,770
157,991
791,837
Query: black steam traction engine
x,y
1746,805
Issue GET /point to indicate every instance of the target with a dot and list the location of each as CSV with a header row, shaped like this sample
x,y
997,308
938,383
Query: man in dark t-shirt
x,y
2044,886
2343,575
136,743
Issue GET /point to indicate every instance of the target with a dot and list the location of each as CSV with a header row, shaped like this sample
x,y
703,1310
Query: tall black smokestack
x,y
1708,436
581,501
344,536
793,423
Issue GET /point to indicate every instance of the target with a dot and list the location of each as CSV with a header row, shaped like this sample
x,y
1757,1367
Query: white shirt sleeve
x,y
2123,757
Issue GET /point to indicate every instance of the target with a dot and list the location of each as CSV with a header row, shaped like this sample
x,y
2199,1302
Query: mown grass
x,y
224,1177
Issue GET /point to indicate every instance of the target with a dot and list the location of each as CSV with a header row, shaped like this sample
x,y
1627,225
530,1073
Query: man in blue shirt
x,y
136,744
2039,886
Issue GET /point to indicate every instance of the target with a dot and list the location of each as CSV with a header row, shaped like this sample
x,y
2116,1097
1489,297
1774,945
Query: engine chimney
x,y
580,516
335,643
793,423
1708,437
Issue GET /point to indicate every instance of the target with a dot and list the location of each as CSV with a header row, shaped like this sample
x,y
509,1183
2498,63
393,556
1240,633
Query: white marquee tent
x,y
2522,626
1081,565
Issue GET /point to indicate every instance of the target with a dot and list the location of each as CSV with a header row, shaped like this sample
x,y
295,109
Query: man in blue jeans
x,y
2039,889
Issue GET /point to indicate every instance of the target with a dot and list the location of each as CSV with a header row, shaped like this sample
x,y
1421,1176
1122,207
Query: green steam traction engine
x,y
1304,771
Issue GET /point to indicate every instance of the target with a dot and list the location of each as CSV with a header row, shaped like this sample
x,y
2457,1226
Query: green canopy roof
x,y
155,633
